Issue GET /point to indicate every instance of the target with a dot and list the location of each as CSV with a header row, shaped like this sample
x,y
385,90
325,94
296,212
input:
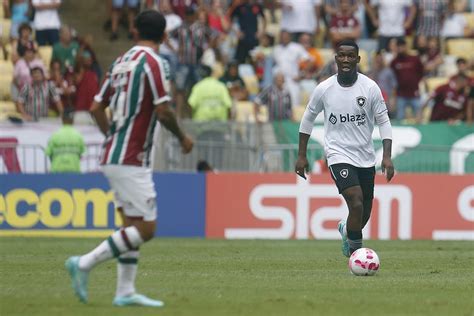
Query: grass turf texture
x,y
216,277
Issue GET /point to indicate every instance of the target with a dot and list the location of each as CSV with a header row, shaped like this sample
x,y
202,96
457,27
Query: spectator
x,y
86,81
300,16
389,17
66,50
391,52
288,56
430,15
432,58
211,104
262,56
22,70
35,98
409,71
455,24
85,45
246,12
315,63
450,101
64,84
276,98
193,39
463,70
470,107
117,8
19,15
210,99
169,47
66,146
217,19
386,79
234,83
332,7
46,22
343,24
24,39
181,6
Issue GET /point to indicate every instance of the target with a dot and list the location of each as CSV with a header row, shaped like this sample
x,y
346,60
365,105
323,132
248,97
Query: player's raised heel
x,y
137,300
341,227
78,278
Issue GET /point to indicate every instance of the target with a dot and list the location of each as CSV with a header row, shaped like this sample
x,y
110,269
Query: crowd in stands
x,y
226,55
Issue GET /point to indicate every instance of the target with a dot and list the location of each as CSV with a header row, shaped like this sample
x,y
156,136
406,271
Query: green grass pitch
x,y
217,277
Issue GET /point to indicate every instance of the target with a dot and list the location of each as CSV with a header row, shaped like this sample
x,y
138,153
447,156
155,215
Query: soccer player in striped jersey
x,y
136,91
352,103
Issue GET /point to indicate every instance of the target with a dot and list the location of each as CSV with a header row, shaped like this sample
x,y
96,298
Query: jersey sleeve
x,y
156,73
314,107
105,91
379,107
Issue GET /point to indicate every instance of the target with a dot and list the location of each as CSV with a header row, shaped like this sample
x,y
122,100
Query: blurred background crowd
x,y
247,60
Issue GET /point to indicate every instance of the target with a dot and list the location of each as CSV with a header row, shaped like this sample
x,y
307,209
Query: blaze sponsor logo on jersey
x,y
361,101
359,119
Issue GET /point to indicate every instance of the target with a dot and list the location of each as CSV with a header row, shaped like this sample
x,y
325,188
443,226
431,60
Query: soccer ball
x,y
364,261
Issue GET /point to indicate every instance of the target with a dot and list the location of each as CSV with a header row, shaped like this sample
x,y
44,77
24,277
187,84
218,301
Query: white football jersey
x,y
349,117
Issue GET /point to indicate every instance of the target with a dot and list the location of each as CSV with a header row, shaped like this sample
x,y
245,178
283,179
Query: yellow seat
x,y
251,83
297,112
6,68
46,52
364,60
7,107
244,111
469,16
5,87
5,27
460,47
435,82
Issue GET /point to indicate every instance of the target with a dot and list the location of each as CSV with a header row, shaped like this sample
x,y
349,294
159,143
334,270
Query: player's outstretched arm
x,y
98,112
168,120
301,166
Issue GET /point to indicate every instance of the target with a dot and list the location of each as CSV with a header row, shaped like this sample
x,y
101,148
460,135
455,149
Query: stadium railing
x,y
22,158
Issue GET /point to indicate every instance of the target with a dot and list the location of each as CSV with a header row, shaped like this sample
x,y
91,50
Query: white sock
x,y
127,266
119,242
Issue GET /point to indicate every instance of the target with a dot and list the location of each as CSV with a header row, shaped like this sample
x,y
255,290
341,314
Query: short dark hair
x,y
401,41
24,26
150,25
203,166
204,71
37,68
348,42
461,60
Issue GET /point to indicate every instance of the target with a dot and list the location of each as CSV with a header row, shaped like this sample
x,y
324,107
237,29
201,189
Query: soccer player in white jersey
x,y
352,103
136,90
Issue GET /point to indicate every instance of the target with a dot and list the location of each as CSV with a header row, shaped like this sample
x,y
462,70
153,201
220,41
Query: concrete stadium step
x,y
88,17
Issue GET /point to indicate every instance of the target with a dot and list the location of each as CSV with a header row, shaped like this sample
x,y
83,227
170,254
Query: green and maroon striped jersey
x,y
136,83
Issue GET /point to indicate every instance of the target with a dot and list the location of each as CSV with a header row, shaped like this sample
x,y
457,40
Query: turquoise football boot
x,y
137,300
78,277
341,227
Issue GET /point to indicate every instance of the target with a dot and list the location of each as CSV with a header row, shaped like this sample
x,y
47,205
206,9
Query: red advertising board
x,y
282,206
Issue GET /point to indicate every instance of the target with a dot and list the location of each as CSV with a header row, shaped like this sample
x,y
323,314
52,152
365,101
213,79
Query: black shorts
x,y
346,176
